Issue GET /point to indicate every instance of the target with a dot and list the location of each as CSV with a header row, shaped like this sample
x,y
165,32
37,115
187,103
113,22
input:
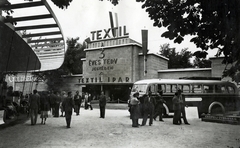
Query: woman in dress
x,y
44,106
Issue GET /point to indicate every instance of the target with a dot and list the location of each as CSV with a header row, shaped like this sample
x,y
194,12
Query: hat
x,y
135,94
69,93
179,90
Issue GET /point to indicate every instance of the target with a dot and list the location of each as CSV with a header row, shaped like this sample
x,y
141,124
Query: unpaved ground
x,y
115,131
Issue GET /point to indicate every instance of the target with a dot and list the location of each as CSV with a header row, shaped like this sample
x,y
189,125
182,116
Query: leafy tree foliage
x,y
65,3
52,78
72,65
202,62
176,59
72,62
62,3
213,24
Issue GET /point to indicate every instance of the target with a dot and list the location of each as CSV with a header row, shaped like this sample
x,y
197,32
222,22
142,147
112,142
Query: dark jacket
x,y
77,99
102,100
44,103
34,101
148,104
159,101
68,104
176,103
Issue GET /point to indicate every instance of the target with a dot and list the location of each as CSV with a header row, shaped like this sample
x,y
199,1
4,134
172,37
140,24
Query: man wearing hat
x,y
182,106
68,105
148,108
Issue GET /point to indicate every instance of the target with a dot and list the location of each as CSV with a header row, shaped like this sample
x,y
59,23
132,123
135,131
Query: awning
x,y
36,25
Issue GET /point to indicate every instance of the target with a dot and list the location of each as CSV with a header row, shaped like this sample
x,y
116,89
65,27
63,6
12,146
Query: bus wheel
x,y
216,108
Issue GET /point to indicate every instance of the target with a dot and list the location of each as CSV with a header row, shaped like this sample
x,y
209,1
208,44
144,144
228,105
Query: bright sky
x,y
84,16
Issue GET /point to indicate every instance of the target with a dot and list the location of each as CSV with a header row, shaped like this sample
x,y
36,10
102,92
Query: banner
x,y
145,41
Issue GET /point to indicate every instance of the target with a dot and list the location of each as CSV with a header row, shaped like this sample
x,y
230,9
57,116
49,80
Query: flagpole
x,y
144,50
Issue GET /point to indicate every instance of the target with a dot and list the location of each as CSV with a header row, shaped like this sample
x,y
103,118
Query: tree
x,y
65,3
62,3
72,65
176,59
213,25
202,62
75,52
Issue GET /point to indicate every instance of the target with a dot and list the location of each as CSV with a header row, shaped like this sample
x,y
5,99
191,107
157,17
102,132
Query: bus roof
x,y
179,81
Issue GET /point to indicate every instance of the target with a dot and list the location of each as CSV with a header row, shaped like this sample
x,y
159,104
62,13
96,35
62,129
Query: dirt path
x,y
115,131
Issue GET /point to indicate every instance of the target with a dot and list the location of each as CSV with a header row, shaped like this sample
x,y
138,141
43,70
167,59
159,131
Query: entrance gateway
x,y
108,65
114,63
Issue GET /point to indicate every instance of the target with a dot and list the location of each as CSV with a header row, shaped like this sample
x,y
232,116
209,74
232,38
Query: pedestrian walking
x,y
44,106
182,106
148,108
63,96
52,98
177,110
34,102
134,110
77,103
57,101
89,105
102,104
68,105
86,100
159,106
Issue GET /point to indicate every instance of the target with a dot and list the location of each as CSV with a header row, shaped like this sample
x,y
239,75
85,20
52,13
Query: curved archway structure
x,y
38,26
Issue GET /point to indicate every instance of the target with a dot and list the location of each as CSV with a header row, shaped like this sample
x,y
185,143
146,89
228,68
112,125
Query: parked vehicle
x,y
209,96
10,112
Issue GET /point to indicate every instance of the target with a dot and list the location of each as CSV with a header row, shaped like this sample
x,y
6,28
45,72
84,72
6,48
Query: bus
x,y
209,96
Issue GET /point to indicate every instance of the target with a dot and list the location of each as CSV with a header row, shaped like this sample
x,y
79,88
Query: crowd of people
x,y
56,103
149,106
63,102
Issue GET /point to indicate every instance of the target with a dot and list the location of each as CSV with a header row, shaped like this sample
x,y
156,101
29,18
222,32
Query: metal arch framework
x,y
43,33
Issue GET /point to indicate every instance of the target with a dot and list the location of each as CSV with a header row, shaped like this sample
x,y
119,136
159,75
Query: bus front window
x,y
139,88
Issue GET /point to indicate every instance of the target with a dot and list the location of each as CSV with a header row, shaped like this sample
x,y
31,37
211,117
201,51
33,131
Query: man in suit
x,y
34,104
182,106
159,106
102,104
77,102
177,109
68,105
148,108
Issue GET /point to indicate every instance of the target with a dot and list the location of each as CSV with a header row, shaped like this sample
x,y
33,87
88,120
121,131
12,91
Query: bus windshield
x,y
139,88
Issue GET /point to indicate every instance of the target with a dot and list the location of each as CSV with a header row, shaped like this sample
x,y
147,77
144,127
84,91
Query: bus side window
x,y
208,88
161,87
223,89
185,88
174,88
152,88
168,88
149,88
219,88
196,88
230,90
